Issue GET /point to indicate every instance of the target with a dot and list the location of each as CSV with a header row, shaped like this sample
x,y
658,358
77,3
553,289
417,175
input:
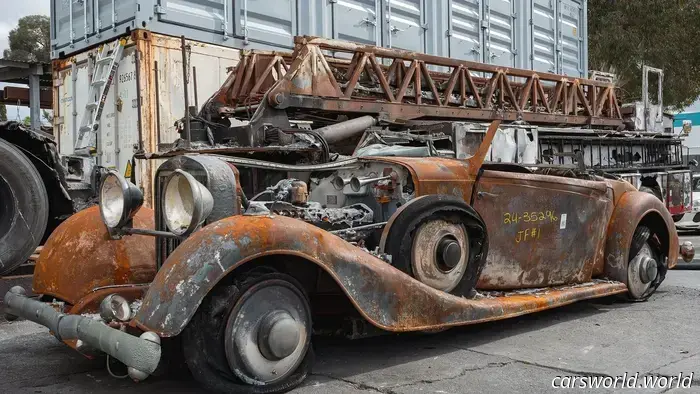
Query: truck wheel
x,y
645,269
253,336
24,208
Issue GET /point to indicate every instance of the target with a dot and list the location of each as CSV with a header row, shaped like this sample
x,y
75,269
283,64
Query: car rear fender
x,y
633,209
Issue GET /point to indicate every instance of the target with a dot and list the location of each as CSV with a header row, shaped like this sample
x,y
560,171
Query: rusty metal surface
x,y
91,302
367,85
378,290
79,256
635,208
545,230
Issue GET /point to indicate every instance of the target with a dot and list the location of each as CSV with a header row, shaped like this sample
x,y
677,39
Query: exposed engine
x,y
351,202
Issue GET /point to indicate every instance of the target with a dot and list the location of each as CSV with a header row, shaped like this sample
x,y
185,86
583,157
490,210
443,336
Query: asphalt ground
x,y
600,338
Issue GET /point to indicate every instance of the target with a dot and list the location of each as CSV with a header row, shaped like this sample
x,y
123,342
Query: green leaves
x,y
30,41
624,35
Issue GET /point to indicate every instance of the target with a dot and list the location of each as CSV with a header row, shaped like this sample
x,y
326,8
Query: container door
x,y
404,27
465,30
267,21
544,54
109,14
206,15
571,30
499,33
73,21
357,21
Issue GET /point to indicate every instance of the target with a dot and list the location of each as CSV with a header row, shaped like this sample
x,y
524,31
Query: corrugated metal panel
x,y
357,20
500,32
544,36
465,30
211,15
404,28
261,21
571,29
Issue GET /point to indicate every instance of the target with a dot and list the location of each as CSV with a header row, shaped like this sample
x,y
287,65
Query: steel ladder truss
x,y
338,76
104,66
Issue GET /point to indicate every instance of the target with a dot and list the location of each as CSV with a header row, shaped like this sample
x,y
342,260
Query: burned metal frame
x,y
313,82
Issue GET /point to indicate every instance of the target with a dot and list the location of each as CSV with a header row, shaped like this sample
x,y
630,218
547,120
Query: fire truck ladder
x,y
399,84
104,68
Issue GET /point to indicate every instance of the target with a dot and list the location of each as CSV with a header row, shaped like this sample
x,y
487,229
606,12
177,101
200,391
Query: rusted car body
x,y
253,256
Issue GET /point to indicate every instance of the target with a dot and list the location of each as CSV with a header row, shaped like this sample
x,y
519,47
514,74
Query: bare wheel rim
x,y
439,254
641,271
268,332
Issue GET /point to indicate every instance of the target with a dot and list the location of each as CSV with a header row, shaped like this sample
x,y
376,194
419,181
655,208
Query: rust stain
x,y
79,256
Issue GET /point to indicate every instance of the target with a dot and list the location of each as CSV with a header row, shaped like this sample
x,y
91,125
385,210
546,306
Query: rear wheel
x,y
253,336
646,268
24,208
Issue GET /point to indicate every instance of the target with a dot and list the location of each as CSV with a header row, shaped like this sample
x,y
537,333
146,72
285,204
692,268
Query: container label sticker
x,y
562,222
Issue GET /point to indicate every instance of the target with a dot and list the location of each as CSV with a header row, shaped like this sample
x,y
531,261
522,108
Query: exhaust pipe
x,y
344,130
141,354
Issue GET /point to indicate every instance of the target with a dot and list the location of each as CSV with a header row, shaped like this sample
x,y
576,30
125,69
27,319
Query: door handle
x,y
481,195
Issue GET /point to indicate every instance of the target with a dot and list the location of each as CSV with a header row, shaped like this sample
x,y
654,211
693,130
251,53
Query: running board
x,y
498,305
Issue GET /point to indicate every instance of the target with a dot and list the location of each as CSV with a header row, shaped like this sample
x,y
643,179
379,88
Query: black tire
x,y
203,340
24,208
399,241
643,237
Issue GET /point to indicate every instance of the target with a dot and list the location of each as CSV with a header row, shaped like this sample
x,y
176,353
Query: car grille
x,y
165,246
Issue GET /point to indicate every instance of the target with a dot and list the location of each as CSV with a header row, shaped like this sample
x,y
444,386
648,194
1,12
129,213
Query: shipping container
x,y
544,35
132,121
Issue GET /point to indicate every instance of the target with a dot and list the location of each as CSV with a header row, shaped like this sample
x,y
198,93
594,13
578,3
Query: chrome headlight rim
x,y
131,200
201,200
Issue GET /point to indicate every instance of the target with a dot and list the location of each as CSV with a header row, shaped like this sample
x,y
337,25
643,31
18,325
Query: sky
x,y
12,10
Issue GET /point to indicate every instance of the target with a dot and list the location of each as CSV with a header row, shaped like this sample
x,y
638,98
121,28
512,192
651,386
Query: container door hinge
x,y
425,26
159,10
332,1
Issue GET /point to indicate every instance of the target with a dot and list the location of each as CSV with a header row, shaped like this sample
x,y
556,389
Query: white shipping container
x,y
119,135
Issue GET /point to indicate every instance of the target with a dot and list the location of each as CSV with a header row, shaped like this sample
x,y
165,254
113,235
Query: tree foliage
x,y
30,41
626,34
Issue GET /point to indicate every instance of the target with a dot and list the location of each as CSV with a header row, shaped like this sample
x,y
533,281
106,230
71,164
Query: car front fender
x,y
80,257
633,209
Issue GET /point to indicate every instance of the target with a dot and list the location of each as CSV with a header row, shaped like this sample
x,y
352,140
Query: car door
x,y
543,230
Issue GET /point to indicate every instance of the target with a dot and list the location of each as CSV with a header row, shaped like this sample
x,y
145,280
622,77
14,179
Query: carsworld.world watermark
x,y
623,381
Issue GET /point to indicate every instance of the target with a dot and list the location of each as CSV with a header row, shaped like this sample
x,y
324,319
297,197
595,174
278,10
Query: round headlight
x,y
119,200
186,203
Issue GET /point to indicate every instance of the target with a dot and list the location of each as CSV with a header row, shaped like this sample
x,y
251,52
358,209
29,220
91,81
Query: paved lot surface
x,y
603,338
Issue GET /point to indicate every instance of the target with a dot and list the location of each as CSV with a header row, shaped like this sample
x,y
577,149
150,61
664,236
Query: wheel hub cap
x,y
279,335
449,253
647,269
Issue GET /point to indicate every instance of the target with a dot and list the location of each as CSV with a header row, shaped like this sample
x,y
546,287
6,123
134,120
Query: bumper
x,y
140,354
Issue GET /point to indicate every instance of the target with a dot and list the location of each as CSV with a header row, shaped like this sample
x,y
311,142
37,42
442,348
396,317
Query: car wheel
x,y
24,208
252,336
646,268
439,241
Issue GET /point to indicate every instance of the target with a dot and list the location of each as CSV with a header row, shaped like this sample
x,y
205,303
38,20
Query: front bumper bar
x,y
140,354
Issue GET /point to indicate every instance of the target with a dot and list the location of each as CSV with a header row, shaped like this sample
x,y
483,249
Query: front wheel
x,y
253,336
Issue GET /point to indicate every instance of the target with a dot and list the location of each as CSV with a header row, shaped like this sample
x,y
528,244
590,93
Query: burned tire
x,y
646,268
440,241
252,336
24,208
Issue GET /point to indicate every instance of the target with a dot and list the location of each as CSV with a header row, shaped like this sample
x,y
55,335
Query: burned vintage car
x,y
254,256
